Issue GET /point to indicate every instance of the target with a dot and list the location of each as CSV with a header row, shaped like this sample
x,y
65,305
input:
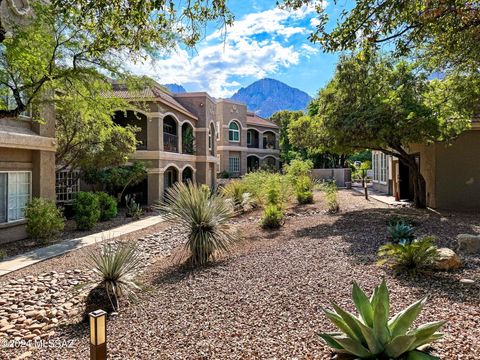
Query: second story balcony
x,y
170,142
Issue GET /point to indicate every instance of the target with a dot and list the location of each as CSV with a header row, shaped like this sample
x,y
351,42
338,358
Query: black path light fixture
x,y
98,335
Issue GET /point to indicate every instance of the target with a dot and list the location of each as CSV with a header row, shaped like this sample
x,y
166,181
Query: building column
x,y
155,183
43,174
260,140
179,138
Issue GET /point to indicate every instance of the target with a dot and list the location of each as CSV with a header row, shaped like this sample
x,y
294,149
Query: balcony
x,y
170,142
270,144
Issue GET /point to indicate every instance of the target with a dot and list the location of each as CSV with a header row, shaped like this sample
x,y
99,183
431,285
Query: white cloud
x,y
255,46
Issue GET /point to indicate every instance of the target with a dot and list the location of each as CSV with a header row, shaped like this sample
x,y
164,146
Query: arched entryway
x,y
269,163
170,134
188,139
253,163
253,138
187,174
170,177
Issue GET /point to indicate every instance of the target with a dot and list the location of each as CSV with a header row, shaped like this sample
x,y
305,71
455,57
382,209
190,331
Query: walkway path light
x,y
98,335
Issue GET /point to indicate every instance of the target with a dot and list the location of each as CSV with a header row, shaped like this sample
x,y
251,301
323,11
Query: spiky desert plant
x,y
418,254
371,335
205,215
117,265
401,232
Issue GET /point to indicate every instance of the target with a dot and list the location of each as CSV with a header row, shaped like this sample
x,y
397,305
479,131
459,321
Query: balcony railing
x,y
254,144
270,144
170,142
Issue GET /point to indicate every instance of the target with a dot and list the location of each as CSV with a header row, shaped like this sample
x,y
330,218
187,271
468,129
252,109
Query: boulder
x,y
469,244
447,260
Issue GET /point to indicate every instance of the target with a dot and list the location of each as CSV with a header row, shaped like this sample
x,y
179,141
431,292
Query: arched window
x,y
234,132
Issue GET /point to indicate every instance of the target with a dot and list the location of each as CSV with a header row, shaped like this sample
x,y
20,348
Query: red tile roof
x,y
254,119
149,93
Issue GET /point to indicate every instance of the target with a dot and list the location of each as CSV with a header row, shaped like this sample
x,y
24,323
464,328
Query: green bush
x,y
86,209
303,189
305,197
298,168
268,188
371,335
3,254
108,206
401,233
44,219
419,254
235,192
272,217
330,189
204,216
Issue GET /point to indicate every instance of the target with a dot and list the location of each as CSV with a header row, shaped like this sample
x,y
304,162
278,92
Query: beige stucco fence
x,y
342,177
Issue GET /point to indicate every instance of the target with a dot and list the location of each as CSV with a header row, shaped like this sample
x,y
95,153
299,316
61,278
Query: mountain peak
x,y
267,96
175,88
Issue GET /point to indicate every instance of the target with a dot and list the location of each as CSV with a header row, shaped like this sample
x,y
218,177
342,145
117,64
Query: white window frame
x,y
380,168
22,217
234,164
64,194
234,132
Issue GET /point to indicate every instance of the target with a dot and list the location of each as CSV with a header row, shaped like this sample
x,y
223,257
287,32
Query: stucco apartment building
x,y
177,137
246,141
27,168
451,172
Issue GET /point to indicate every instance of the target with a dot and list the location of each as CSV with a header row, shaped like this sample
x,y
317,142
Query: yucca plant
x,y
371,335
205,215
418,254
401,232
117,265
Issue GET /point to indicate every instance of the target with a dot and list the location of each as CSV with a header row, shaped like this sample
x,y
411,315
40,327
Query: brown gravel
x,y
263,301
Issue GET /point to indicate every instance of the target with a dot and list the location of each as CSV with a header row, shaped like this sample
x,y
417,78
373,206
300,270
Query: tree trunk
x,y
419,183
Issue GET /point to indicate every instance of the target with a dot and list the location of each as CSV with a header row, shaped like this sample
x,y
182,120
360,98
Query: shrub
x,y
205,217
267,188
3,254
116,266
331,201
303,189
297,169
401,233
223,175
305,197
235,192
134,210
371,335
272,217
44,219
108,206
86,208
418,254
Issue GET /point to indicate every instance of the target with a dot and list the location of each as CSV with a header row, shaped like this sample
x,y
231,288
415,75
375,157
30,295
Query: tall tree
x,y
374,103
65,38
443,33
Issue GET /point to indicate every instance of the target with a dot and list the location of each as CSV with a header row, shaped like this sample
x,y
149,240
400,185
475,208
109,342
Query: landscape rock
x,y
468,243
447,260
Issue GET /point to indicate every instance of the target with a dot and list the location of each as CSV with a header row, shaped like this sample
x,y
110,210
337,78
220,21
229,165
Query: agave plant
x,y
204,215
418,254
371,335
117,265
401,232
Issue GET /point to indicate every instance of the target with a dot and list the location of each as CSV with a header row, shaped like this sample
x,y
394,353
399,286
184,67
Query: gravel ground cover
x,y
263,300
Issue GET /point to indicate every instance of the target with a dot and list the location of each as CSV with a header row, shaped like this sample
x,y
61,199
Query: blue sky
x,y
263,42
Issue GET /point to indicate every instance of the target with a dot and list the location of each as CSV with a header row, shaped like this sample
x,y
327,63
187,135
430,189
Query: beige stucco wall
x,y
458,173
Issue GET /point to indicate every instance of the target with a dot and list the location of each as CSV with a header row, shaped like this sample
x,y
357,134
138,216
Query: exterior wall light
x,y
98,335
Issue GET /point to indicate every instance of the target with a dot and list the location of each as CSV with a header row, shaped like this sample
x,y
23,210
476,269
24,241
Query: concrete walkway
x,y
386,199
47,252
